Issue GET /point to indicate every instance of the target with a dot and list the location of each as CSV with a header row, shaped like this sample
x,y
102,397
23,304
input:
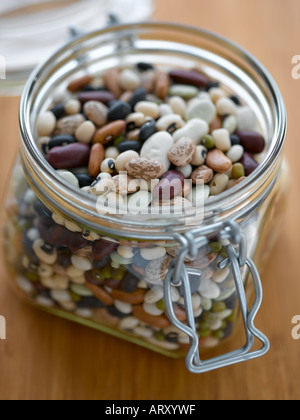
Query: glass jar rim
x,y
215,208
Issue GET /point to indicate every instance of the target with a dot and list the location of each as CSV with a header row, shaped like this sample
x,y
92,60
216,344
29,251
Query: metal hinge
x,y
231,236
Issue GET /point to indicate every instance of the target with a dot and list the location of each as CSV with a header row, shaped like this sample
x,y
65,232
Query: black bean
x,y
147,130
84,180
112,310
58,110
129,145
129,283
144,66
62,140
231,302
172,337
64,259
119,111
102,263
90,303
138,95
90,88
212,85
235,139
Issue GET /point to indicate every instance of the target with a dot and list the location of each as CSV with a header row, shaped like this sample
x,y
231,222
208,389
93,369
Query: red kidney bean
x,y
70,156
170,186
99,96
102,248
189,78
252,142
249,163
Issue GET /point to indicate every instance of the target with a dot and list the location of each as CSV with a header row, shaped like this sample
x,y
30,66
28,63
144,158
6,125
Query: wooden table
x,y
48,358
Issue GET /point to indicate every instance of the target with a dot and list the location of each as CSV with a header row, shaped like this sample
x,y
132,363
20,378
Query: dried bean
x,y
170,186
62,140
110,132
189,78
119,110
77,84
249,163
251,141
96,112
217,161
202,174
98,96
96,159
68,157
144,168
181,154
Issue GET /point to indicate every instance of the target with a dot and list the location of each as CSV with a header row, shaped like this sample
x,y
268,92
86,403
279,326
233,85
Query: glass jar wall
x,y
108,272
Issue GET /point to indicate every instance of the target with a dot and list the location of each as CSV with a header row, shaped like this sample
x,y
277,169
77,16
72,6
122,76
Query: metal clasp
x,y
231,235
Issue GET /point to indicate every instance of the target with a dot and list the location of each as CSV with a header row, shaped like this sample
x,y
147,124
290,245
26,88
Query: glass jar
x,y
187,279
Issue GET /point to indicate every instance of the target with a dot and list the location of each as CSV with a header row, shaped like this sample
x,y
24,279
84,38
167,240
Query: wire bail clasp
x,y
231,236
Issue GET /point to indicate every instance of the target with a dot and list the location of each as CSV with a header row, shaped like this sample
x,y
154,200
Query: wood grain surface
x,y
46,358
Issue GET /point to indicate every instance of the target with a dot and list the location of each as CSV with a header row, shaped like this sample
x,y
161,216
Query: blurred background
x,y
48,358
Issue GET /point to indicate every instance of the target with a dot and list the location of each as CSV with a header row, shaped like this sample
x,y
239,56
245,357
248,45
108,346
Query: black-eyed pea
x,y
45,253
135,120
101,186
218,184
170,123
199,156
108,165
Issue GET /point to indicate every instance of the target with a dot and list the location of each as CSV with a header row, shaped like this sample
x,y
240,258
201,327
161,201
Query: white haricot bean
x,y
218,184
221,275
225,106
61,282
165,110
157,148
201,108
230,123
125,308
185,170
72,107
235,153
137,118
129,80
60,295
143,332
85,132
46,124
124,158
149,109
81,263
45,270
125,251
178,105
24,284
196,301
112,153
246,119
155,253
216,94
222,139
84,312
69,177
209,289
152,309
216,324
129,323
154,295
195,129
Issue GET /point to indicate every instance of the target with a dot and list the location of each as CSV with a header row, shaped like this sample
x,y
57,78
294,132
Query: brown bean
x,y
100,294
110,132
162,84
217,161
111,81
216,124
96,112
154,321
78,84
99,96
96,158
134,298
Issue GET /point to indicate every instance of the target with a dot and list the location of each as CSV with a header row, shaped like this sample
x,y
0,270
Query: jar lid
x,y
31,30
